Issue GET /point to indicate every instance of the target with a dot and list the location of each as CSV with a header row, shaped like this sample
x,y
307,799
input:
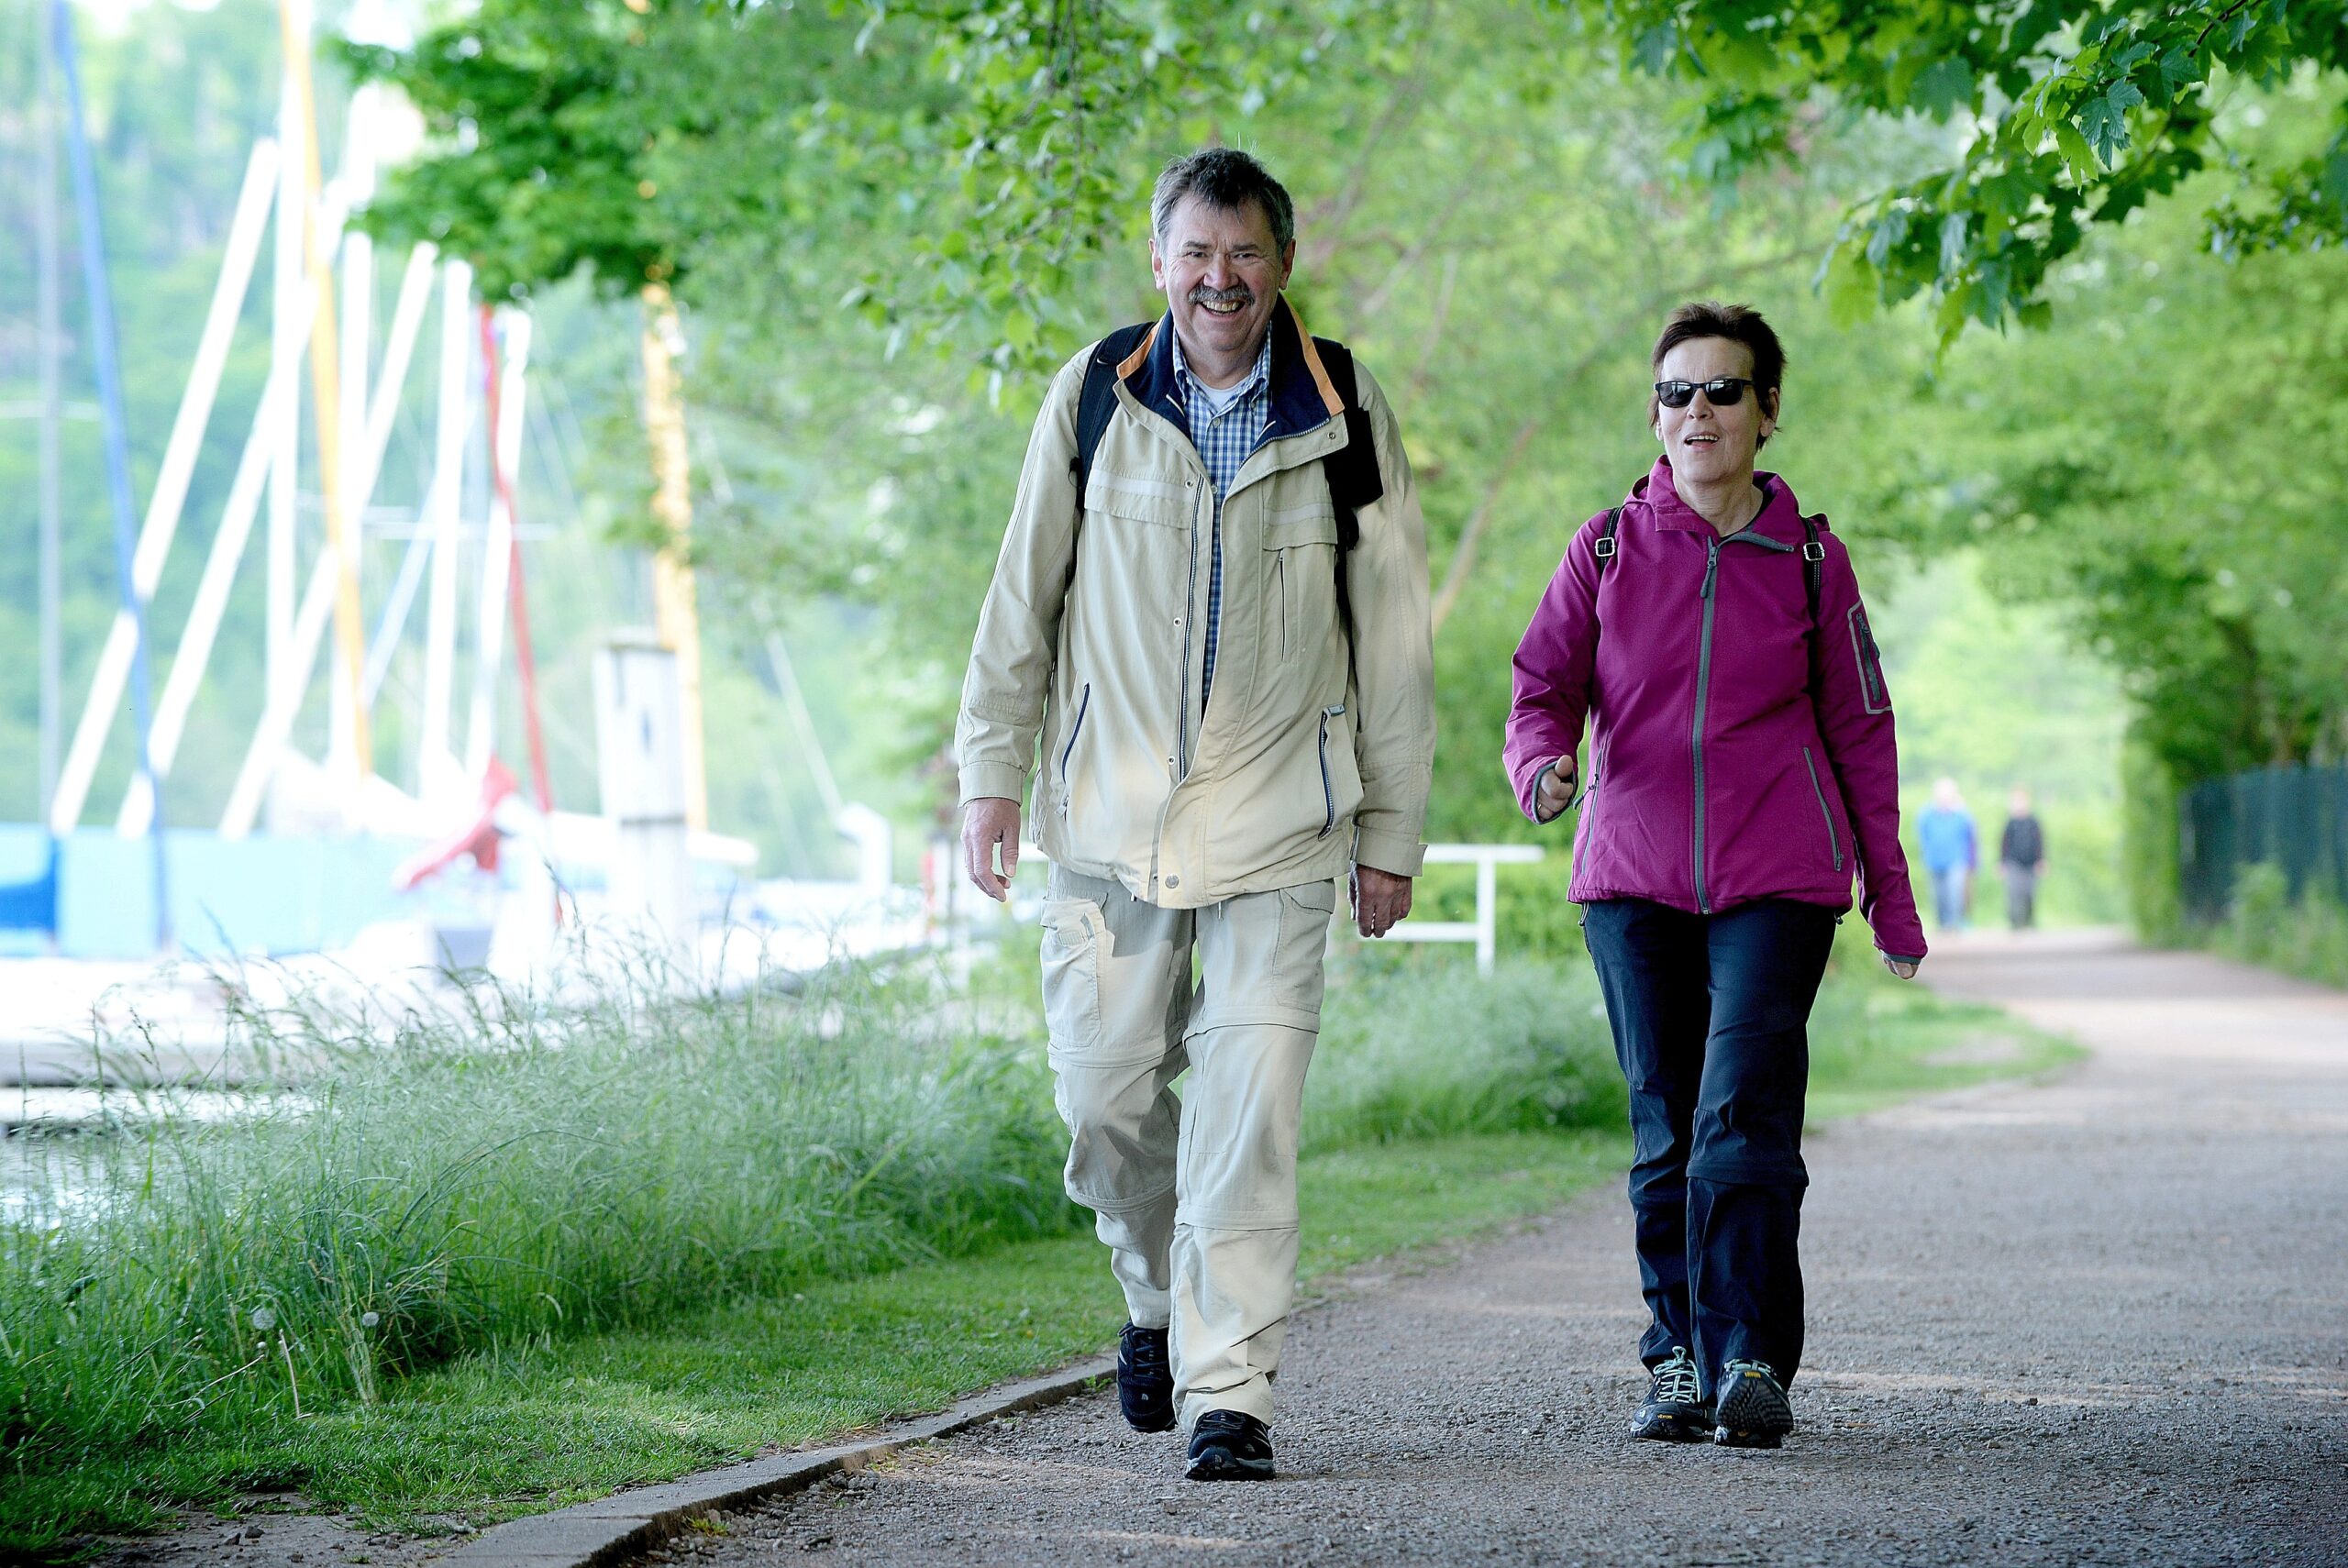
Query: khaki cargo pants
x,y
1195,1198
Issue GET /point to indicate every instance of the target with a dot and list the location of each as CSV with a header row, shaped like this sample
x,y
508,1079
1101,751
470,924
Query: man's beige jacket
x,y
1092,635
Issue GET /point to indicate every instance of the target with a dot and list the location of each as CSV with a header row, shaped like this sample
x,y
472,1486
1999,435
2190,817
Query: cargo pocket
x,y
1076,945
1298,969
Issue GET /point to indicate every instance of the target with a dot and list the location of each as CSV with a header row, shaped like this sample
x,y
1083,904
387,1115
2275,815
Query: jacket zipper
x,y
1083,705
1703,692
1328,790
1182,687
1832,842
1704,684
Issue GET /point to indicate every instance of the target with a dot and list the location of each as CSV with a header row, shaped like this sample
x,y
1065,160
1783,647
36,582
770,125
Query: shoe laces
x,y
1675,1380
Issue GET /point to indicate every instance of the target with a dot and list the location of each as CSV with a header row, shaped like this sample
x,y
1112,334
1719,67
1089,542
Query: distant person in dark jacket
x,y
2021,855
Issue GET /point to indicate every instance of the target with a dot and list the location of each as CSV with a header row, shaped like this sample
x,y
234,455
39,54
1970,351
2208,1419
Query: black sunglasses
x,y
1725,393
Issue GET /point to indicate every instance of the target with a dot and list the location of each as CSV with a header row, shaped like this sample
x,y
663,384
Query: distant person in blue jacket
x,y
1950,853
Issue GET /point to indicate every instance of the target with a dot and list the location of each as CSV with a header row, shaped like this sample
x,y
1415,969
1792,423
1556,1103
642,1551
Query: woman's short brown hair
x,y
1738,324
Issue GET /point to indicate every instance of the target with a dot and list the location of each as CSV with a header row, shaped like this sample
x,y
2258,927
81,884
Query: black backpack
x,y
1351,470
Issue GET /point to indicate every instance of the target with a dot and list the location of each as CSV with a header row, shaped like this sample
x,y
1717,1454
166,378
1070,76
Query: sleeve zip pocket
x,y
1328,790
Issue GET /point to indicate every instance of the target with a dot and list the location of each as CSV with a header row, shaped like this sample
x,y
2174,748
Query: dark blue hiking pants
x,y
1710,1016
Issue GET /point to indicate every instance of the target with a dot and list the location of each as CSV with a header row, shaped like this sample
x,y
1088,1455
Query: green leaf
x,y
2077,156
2105,128
1943,89
1656,48
1953,247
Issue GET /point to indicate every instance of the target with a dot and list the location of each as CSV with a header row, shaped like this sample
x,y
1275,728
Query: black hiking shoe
x,y
1753,1410
1675,1409
1230,1445
1144,1379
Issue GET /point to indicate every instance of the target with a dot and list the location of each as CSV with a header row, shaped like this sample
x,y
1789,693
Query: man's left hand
x,y
1380,898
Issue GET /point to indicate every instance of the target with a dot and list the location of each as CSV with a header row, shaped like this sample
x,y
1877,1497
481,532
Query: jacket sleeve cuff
x,y
1533,794
1394,854
981,781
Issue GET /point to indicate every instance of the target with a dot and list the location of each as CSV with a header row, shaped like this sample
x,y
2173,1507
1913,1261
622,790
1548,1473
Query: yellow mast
x,y
294,27
676,616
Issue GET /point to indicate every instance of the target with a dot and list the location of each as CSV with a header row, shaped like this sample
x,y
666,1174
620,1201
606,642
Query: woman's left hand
x,y
1904,967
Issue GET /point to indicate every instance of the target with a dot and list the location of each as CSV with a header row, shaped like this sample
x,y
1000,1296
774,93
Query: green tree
x,y
2060,112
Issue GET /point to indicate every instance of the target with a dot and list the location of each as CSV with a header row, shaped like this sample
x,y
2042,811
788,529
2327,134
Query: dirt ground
x,y
2099,1321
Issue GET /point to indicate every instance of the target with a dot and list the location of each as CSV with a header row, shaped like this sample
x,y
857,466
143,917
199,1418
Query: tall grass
x,y
2307,936
454,1184
1419,1046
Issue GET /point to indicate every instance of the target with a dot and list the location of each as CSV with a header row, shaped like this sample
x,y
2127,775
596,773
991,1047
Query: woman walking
x,y
1742,771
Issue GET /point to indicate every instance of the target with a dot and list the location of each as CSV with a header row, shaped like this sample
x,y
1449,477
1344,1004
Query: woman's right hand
x,y
1556,792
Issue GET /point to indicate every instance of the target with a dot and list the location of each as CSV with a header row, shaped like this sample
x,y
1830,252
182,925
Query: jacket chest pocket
x,y
1131,498
1301,544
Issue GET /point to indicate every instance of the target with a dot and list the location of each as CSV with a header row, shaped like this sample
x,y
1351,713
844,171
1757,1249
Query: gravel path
x,y
2102,1320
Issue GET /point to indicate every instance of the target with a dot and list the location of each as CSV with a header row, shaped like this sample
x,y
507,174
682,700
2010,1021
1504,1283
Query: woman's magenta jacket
x,y
1736,752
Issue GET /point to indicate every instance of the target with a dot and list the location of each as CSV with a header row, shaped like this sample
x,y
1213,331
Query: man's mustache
x,y
1239,296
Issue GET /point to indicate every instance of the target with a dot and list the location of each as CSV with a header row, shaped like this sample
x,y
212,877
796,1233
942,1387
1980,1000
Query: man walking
x,y
1211,610
2021,858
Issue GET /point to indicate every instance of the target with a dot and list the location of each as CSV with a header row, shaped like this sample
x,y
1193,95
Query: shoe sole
x,y
1695,1426
1163,1424
1222,1464
1753,1415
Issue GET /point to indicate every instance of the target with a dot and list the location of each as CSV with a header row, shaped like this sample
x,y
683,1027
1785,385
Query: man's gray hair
x,y
1225,178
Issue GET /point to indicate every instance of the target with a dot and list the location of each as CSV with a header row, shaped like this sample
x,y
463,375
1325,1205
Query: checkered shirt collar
x,y
1258,381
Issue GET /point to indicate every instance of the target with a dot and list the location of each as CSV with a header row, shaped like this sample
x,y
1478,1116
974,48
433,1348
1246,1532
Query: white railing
x,y
1484,930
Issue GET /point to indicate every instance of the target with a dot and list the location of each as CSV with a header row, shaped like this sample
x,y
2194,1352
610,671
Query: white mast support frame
x,y
169,497
284,697
355,180
497,564
277,398
443,504
194,652
292,306
290,684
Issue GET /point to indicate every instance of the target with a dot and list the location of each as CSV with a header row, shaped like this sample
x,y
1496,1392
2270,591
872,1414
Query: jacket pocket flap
x,y
1314,523
1141,500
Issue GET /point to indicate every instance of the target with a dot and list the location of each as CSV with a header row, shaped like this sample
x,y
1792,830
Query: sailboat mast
x,y
51,356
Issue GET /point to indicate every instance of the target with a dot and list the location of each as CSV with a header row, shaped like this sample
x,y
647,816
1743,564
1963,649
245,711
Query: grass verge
x,y
1441,1106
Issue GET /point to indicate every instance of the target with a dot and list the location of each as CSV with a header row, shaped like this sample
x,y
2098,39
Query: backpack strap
x,y
1813,583
1813,570
1352,470
1604,547
1099,399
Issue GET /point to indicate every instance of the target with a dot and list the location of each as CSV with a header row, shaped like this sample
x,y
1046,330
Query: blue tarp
x,y
257,895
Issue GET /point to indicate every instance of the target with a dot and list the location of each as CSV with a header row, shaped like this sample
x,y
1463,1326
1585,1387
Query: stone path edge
x,y
620,1528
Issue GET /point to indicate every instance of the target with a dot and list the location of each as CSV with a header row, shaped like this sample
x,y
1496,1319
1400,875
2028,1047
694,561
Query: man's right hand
x,y
988,822
1556,792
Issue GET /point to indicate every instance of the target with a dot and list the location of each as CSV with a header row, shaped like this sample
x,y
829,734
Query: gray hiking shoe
x,y
1752,1409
